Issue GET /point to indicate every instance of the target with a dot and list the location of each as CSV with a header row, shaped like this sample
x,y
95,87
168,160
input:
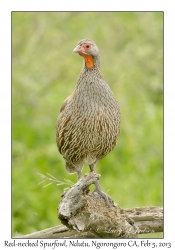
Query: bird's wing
x,y
59,121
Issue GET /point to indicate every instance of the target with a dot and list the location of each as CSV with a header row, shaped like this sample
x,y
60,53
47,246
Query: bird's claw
x,y
103,195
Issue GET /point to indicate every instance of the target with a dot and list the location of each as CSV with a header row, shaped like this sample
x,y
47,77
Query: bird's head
x,y
88,49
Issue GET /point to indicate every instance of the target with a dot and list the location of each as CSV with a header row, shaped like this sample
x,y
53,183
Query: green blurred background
x,y
44,73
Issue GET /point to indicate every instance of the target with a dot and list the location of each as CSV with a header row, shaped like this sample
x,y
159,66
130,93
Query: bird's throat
x,y
88,60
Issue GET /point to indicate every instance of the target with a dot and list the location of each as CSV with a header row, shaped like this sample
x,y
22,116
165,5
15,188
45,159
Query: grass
x,y
44,73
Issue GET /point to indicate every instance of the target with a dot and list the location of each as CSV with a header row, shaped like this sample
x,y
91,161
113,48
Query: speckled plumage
x,y
88,125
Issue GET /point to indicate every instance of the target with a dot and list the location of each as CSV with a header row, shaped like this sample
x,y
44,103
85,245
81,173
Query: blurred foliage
x,y
44,73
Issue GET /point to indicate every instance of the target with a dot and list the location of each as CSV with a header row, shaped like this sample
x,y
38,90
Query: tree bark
x,y
87,215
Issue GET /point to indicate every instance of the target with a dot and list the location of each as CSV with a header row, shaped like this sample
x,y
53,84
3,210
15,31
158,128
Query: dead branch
x,y
86,215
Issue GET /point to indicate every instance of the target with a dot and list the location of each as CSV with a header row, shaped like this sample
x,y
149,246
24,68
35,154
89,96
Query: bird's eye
x,y
87,46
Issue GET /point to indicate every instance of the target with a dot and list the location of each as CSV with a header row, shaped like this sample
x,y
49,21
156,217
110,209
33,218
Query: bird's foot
x,y
103,195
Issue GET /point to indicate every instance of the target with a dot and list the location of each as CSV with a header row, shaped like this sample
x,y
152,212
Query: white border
x,y
5,93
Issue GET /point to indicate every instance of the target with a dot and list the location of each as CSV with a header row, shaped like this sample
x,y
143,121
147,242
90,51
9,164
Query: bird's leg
x,y
98,188
79,174
92,167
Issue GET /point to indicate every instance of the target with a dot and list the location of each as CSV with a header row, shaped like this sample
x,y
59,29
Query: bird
x,y
88,125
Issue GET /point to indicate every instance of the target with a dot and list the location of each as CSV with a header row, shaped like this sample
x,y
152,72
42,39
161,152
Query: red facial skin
x,y
81,50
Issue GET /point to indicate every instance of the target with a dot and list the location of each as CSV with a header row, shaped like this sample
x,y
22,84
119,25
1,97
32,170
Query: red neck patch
x,y
89,60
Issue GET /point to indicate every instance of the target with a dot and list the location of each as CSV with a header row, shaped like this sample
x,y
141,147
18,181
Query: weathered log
x,y
84,211
87,215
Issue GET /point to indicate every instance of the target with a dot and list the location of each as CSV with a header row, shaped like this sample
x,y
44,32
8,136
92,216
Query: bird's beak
x,y
77,49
